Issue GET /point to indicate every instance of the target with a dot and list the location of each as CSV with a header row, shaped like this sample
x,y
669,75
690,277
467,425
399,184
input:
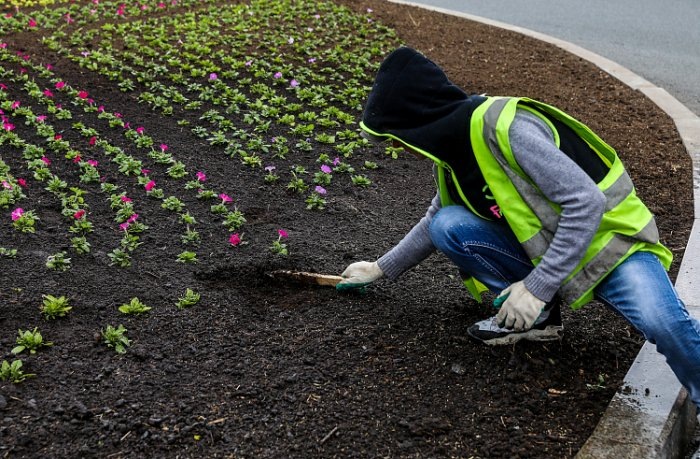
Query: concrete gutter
x,y
651,415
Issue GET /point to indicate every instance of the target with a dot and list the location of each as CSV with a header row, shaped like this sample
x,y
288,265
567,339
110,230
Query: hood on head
x,y
413,100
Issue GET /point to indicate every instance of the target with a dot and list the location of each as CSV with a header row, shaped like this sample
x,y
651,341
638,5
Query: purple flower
x,y
325,169
294,83
270,168
320,190
278,75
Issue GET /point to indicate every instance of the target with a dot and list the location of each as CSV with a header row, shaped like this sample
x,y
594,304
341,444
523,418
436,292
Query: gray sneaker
x,y
547,327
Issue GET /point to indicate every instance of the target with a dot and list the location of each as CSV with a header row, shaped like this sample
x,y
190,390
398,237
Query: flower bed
x,y
158,159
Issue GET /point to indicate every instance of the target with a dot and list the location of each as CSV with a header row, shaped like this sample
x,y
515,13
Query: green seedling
x,y
53,307
13,371
58,262
29,340
114,337
190,298
135,306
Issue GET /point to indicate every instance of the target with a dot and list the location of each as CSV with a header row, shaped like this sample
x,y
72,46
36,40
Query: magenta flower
x,y
15,104
133,218
163,147
79,214
21,182
336,161
140,130
125,199
32,23
57,137
201,176
83,94
150,185
8,126
124,226
325,169
145,171
234,239
225,198
282,233
60,84
320,190
48,93
77,159
92,162
92,140
41,118
17,213
213,76
46,160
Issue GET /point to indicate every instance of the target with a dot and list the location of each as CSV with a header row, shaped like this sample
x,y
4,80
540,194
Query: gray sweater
x,y
559,179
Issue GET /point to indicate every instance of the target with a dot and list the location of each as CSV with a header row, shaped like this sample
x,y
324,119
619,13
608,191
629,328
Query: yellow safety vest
x,y
627,226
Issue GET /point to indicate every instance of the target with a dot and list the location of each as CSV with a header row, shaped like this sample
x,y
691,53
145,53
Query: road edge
x,y
651,416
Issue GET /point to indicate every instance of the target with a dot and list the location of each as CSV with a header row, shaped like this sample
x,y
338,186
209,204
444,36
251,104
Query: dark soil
x,y
262,368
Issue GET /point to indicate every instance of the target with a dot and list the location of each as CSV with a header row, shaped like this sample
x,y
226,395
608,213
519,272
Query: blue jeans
x,y
639,288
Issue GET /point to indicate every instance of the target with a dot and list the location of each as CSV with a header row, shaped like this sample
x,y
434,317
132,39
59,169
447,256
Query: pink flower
x,y
213,76
46,160
278,75
124,226
48,93
21,182
336,161
15,104
77,159
225,198
325,169
320,190
83,94
140,130
282,233
150,185
248,63
294,83
17,213
57,137
145,171
8,126
6,185
92,162
32,23
41,118
311,60
201,176
163,147
125,199
79,214
270,168
92,140
3,86
60,85
234,239
133,218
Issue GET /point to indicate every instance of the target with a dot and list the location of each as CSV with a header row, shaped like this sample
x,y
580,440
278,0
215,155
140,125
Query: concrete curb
x,y
651,416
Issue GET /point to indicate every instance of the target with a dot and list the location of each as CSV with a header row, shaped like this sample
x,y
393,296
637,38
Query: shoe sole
x,y
550,333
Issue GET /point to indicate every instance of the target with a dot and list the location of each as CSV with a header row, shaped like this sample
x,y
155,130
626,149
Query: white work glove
x,y
359,274
520,308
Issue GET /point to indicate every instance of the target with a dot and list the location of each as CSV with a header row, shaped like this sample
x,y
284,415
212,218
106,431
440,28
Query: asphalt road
x,y
658,40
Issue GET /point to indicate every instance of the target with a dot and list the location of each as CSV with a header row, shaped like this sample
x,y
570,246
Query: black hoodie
x,y
413,100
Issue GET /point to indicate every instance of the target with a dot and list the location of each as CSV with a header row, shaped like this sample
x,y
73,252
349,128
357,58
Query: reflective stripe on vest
x,y
611,247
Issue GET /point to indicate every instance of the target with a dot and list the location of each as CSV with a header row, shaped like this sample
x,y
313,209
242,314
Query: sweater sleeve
x,y
415,246
563,182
